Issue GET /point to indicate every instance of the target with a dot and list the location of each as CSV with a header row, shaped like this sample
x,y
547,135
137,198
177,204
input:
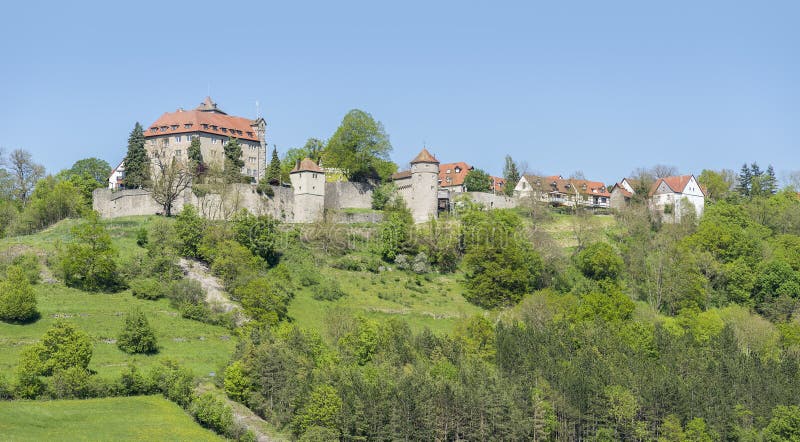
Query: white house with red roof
x,y
174,131
671,196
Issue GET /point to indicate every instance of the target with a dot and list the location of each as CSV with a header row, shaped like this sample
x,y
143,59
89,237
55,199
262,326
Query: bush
x,y
185,291
356,263
141,237
421,264
87,262
30,265
258,233
599,261
264,188
212,413
327,291
17,300
237,384
264,300
147,288
174,382
382,194
189,228
137,336
72,383
234,264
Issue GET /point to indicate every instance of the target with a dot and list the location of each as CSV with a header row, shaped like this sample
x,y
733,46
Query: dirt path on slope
x,y
262,429
216,297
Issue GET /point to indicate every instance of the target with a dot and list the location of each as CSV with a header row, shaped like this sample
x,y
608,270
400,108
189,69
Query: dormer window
x,y
448,171
187,126
224,130
249,134
458,170
163,128
205,126
213,127
174,126
238,132
154,129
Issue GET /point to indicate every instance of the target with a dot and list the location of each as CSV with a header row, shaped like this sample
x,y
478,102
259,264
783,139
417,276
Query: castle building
x,y
174,131
419,186
308,182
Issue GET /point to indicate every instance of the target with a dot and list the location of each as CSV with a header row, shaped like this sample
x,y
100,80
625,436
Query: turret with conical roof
x,y
308,184
423,200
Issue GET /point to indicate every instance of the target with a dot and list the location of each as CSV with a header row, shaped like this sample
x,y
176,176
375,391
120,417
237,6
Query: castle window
x,y
225,130
249,134
187,125
213,141
205,126
178,139
213,127
154,129
174,126
458,170
163,128
178,153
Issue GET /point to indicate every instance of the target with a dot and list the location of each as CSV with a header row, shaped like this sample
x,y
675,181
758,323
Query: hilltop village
x,y
429,187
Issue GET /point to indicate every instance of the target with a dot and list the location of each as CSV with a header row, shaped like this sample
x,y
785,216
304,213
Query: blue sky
x,y
600,87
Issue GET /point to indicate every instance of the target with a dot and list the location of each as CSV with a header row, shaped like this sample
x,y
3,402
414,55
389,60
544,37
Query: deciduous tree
x,y
360,148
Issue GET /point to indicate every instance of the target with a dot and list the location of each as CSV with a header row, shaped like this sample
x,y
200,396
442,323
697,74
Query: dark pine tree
x,y
511,175
274,169
744,181
137,164
769,182
196,157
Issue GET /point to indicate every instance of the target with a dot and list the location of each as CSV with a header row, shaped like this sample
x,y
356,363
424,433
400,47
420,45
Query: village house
x,y
452,176
558,191
669,197
117,177
174,131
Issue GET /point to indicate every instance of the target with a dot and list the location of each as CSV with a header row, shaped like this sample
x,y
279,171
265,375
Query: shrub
x,y
258,233
321,409
30,265
421,264
402,262
237,384
87,261
189,228
174,382
382,194
137,336
599,261
17,300
5,389
212,413
64,346
264,300
141,237
327,291
185,291
264,188
234,264
147,288
394,234
72,383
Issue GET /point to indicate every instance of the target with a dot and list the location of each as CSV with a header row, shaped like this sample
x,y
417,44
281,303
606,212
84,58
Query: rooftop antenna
x,y
208,90
258,111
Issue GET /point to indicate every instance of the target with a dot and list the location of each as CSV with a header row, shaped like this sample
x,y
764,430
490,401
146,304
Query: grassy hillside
x,y
200,347
120,418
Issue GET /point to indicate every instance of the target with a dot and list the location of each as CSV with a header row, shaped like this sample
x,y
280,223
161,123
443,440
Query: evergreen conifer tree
x,y
196,156
744,181
137,164
274,169
769,182
511,175
137,336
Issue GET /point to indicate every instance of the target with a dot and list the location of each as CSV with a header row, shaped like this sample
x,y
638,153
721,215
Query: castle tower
x,y
308,183
423,198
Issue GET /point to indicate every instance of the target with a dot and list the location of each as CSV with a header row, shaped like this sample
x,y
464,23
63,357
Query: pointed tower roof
x,y
208,105
425,157
307,165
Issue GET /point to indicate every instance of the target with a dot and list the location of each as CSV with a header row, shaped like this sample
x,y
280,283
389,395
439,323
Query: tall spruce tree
x,y
769,183
274,169
744,180
195,155
137,164
233,160
511,175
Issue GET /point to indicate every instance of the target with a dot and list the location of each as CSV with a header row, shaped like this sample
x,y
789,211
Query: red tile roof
x,y
453,178
401,175
307,165
424,157
207,118
498,183
676,183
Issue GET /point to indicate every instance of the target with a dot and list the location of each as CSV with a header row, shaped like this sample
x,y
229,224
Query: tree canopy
x,y
136,162
360,147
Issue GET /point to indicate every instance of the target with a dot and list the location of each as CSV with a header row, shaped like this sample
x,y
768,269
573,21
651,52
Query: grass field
x,y
200,347
435,302
120,418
